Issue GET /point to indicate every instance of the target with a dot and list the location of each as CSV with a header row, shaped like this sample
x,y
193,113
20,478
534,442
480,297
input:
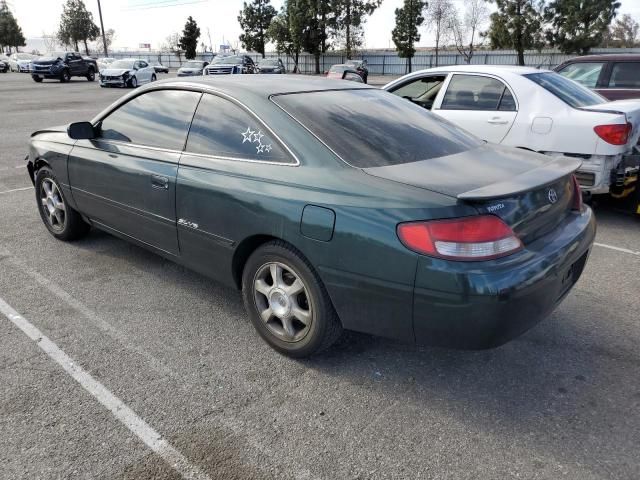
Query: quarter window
x,y
585,73
221,128
158,119
474,92
625,75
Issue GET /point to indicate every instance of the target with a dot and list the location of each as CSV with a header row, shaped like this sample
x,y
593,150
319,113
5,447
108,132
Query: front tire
x,y
287,302
62,221
91,75
153,78
65,76
36,78
133,83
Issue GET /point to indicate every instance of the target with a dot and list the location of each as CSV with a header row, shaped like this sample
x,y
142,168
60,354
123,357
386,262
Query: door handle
x,y
497,121
158,181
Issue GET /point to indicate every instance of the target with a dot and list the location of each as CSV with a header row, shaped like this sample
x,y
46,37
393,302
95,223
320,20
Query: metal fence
x,y
388,62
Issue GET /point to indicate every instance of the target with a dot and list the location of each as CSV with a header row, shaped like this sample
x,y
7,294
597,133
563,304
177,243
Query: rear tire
x,y
292,312
62,221
36,78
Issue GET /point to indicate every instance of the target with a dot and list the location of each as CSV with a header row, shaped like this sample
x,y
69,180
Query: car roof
x,y
486,69
245,87
605,57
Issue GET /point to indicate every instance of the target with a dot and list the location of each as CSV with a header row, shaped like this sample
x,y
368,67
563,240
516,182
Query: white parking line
x,y
17,190
617,249
122,412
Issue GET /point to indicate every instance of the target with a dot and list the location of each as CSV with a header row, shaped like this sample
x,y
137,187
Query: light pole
x,y
104,39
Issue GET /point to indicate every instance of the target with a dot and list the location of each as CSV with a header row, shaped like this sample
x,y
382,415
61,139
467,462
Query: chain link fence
x,y
388,62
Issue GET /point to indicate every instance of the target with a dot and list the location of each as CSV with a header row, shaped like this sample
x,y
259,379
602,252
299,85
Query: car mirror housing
x,y
81,131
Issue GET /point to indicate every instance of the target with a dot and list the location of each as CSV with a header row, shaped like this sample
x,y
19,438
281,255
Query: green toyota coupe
x,y
331,205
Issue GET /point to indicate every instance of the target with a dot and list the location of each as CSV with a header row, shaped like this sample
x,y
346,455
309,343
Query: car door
x,y
75,63
231,159
623,81
484,105
144,71
124,180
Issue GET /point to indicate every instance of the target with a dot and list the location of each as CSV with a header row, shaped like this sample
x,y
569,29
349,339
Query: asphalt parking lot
x,y
562,401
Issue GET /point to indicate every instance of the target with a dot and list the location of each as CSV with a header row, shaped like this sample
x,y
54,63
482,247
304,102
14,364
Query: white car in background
x,y
20,62
536,110
128,72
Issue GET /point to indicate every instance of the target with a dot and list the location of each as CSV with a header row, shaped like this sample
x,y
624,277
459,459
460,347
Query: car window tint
x,y
473,92
570,92
625,75
507,103
420,88
373,128
221,128
158,119
585,73
143,64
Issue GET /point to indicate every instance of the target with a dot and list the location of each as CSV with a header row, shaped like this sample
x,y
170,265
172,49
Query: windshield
x,y
52,55
224,60
338,68
24,56
194,64
269,63
374,128
128,64
106,60
570,92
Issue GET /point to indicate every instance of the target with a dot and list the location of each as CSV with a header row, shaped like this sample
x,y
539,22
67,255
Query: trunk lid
x,y
532,193
630,108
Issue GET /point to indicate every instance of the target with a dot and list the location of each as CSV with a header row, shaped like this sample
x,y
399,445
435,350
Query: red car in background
x,y
614,76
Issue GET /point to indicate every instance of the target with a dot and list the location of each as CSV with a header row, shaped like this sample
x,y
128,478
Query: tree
x,y
466,28
438,18
10,32
76,25
349,14
579,25
517,24
189,40
286,31
623,33
405,34
255,19
172,44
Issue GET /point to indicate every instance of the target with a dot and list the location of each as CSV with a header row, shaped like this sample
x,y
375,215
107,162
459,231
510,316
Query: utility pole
x,y
104,39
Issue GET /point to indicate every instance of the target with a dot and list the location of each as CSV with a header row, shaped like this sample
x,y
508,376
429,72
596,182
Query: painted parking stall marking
x,y
617,249
122,412
16,190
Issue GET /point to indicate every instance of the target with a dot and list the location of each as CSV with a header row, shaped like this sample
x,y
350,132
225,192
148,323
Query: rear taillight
x,y
617,134
469,238
577,194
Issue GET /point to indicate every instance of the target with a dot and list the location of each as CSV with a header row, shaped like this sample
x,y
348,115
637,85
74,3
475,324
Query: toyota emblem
x,y
552,195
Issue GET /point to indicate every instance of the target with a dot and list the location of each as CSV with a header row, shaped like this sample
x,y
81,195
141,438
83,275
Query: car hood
x,y
45,61
489,171
114,72
189,69
631,109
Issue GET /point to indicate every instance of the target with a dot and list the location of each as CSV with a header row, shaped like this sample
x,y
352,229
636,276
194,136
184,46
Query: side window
x,y
507,103
159,118
143,64
625,75
474,92
221,128
422,91
585,73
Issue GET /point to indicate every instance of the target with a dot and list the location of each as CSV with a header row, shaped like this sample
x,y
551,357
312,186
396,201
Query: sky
x,y
151,21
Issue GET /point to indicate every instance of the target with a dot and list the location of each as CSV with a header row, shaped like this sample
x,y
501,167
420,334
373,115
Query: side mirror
x,y
81,131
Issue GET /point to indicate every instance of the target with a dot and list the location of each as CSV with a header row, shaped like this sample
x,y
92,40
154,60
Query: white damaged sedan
x,y
128,72
536,110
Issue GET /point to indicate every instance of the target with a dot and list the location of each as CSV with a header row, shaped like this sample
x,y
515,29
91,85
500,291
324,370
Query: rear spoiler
x,y
544,175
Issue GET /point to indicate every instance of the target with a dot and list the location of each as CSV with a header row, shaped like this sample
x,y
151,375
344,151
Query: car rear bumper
x,y
477,305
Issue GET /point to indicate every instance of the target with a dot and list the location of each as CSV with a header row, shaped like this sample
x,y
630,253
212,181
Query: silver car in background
x,y
128,72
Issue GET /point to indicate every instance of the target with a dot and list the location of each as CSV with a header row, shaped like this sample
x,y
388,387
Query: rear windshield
x,y
374,128
570,92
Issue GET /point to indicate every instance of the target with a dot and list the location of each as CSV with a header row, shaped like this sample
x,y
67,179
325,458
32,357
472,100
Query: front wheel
x,y
153,77
287,302
133,83
65,76
91,75
62,221
36,78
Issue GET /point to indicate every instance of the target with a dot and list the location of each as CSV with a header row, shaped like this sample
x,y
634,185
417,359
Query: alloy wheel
x,y
282,301
53,205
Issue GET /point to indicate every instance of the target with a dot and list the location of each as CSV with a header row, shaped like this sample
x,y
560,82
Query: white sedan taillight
x,y
468,238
